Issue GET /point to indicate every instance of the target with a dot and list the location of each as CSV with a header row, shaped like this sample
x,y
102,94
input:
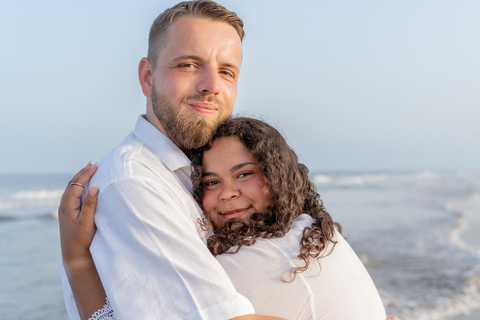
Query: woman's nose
x,y
229,191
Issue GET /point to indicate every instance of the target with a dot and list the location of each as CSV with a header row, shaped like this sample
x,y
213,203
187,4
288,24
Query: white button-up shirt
x,y
149,250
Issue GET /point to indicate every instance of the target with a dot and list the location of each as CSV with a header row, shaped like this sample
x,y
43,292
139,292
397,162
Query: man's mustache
x,y
210,98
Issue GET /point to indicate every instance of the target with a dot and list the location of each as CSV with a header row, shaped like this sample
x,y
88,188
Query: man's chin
x,y
191,129
187,141
211,120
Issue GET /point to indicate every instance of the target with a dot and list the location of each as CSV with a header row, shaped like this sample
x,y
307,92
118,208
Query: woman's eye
x,y
210,183
244,174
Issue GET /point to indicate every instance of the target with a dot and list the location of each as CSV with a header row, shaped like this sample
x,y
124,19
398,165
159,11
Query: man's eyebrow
x,y
197,58
229,65
188,57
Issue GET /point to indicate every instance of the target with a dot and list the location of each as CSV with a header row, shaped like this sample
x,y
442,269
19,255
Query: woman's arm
x,y
77,228
86,287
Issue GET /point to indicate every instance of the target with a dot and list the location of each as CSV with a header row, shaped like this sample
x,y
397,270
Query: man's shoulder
x,y
131,159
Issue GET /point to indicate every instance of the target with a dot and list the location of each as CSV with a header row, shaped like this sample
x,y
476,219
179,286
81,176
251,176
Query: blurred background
x,y
380,99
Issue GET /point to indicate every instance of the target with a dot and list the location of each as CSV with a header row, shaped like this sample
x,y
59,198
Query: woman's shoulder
x,y
338,280
258,272
289,244
266,254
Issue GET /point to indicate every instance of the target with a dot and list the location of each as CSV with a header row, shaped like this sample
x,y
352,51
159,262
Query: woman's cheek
x,y
207,201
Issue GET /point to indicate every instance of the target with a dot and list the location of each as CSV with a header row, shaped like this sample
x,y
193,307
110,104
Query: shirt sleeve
x,y
106,313
151,259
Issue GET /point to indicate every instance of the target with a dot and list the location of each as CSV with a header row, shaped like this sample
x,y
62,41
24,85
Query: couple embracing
x,y
196,215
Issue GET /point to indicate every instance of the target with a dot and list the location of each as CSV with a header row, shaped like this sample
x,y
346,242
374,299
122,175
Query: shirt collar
x,y
161,145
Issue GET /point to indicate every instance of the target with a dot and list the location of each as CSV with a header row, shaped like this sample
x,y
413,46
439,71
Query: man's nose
x,y
209,81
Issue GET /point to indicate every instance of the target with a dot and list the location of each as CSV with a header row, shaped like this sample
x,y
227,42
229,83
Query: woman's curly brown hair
x,y
287,180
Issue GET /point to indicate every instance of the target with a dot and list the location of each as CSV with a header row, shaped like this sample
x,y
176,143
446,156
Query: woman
x,y
271,232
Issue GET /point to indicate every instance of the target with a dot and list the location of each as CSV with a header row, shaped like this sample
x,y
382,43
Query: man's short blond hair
x,y
198,8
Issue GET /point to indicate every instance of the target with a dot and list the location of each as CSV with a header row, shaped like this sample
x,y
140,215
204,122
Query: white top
x,y
341,290
149,251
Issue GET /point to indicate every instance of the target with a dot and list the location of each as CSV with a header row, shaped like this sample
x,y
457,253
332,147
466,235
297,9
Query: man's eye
x,y
228,73
186,65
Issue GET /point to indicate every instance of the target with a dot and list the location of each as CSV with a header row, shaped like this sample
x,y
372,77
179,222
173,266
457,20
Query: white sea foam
x,y
345,181
447,307
40,194
455,235
30,199
322,179
380,179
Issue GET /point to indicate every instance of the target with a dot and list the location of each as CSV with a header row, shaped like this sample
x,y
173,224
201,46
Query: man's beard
x,y
186,129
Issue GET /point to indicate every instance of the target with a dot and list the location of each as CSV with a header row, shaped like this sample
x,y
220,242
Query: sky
x,y
353,85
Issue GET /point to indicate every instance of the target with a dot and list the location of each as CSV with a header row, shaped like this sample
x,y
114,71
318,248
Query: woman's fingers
x,y
77,221
76,185
87,214
76,235
70,203
80,173
84,175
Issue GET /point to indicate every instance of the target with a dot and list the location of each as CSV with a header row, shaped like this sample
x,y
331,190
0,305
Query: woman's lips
x,y
235,213
203,107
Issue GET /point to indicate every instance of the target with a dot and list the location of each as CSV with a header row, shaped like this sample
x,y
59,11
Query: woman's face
x,y
234,186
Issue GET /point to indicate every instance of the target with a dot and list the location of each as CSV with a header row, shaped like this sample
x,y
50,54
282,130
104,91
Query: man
x,y
148,249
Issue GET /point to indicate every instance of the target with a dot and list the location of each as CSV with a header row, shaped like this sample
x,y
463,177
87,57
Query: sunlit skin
x,y
198,57
234,185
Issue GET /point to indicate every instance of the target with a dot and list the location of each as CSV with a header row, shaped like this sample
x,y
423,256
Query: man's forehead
x,y
189,23
197,37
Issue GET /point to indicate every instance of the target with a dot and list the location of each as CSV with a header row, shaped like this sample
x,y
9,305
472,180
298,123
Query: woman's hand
x,y
77,221
77,228
393,318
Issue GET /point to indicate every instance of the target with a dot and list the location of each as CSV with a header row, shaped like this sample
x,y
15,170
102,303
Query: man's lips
x,y
203,107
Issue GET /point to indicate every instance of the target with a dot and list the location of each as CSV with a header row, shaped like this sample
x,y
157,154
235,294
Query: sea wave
x,y
419,247
447,307
461,295
379,179
39,194
31,199
462,224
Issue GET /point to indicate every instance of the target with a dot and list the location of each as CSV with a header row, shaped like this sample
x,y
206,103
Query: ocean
x,y
416,232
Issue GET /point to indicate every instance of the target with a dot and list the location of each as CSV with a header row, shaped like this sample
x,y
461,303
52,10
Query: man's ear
x,y
145,76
